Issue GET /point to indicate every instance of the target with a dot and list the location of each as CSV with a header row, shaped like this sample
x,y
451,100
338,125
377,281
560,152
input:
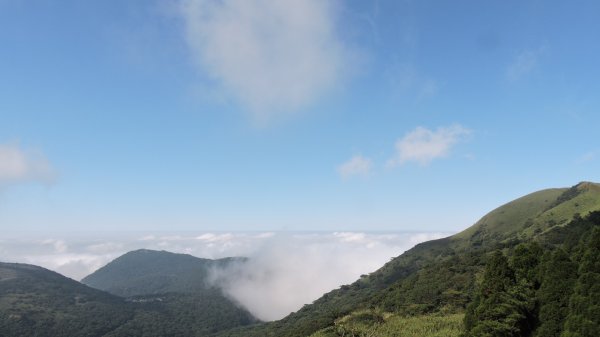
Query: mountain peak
x,y
536,212
144,271
587,185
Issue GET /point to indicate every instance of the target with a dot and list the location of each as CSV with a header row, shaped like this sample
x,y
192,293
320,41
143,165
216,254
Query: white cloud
x,y
105,248
357,165
524,63
210,237
18,165
349,236
290,271
59,245
284,270
273,56
74,265
423,145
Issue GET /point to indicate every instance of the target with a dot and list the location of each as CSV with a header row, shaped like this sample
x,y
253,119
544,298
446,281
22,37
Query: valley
x,y
437,288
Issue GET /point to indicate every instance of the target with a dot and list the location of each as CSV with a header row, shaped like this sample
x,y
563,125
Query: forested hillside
x,y
441,278
143,272
38,302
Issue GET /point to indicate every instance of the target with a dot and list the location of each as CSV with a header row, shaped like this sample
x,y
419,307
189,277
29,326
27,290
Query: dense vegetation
x,y
375,324
442,276
529,268
38,302
550,295
143,272
181,315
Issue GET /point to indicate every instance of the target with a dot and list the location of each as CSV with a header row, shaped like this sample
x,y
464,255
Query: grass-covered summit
x,y
535,213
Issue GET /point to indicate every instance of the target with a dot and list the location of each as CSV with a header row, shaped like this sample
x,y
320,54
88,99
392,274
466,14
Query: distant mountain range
x,y
148,293
424,292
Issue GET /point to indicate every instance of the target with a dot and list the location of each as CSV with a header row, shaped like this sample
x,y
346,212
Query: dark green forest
x,y
167,295
145,272
541,291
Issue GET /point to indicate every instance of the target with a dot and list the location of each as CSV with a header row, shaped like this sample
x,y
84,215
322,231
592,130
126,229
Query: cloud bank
x,y
284,271
289,272
274,57
19,165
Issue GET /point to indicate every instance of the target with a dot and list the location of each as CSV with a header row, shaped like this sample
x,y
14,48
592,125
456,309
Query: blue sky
x,y
291,115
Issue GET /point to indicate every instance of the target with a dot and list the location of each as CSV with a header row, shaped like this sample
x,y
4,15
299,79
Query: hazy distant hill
x,y
38,302
143,272
436,280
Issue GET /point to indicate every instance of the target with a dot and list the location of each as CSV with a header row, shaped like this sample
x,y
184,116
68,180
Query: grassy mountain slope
x,y
439,275
513,216
537,212
143,272
370,323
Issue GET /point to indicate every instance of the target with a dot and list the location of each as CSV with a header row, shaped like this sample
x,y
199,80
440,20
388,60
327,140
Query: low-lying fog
x,y
285,270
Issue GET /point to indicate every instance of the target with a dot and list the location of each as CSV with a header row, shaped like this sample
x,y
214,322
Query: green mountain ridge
x,y
424,292
439,276
536,212
144,272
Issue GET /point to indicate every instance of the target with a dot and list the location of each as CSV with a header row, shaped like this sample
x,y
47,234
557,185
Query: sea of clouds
x,y
284,271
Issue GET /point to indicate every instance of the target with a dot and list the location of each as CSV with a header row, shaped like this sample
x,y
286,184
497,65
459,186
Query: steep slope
x,y
534,213
513,216
143,272
439,275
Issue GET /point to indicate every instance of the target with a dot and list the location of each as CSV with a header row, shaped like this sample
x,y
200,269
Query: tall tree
x,y
525,261
583,319
501,304
558,279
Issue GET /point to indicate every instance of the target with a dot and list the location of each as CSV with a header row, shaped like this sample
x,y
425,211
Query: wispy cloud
x,y
587,157
274,57
20,165
523,63
407,81
355,166
423,145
